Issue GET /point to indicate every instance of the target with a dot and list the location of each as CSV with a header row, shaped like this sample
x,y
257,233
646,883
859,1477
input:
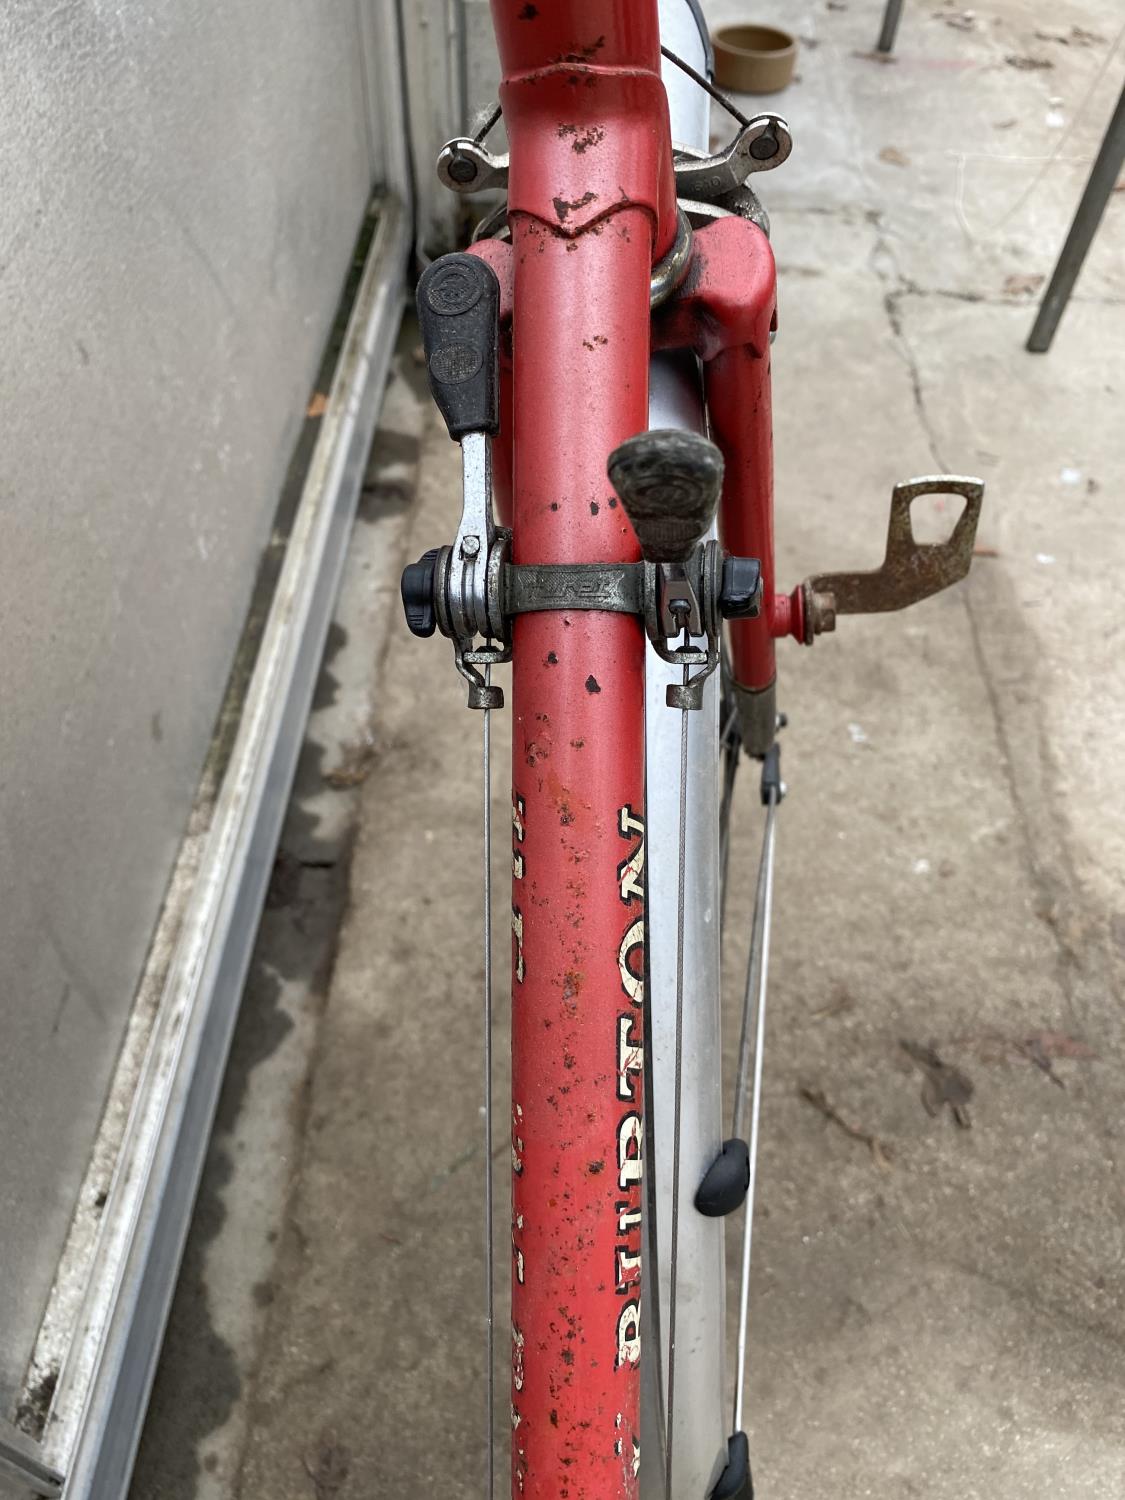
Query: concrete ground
x,y
940,1313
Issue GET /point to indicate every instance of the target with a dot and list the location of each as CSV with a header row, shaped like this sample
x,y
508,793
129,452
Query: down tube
x,y
580,352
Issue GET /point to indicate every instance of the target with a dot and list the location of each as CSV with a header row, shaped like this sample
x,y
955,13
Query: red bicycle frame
x,y
596,242
591,205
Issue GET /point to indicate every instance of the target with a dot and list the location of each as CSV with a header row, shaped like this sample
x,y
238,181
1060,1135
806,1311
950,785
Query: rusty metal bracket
x,y
621,588
671,598
911,570
615,587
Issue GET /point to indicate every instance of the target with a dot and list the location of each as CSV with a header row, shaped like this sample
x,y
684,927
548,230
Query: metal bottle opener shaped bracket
x,y
911,570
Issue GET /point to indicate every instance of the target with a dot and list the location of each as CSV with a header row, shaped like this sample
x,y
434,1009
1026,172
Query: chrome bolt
x,y
461,169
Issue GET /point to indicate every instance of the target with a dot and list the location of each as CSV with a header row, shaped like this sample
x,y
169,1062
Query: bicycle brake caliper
x,y
669,483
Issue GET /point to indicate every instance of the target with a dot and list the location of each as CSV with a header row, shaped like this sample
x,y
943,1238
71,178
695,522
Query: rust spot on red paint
x,y
591,137
593,685
554,1417
594,507
528,13
613,502
564,207
577,744
595,1167
552,659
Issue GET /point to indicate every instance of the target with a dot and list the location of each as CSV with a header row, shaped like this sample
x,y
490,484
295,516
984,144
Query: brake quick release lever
x,y
455,588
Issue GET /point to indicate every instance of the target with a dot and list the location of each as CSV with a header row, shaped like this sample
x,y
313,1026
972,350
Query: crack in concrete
x,y
1060,901
897,287
906,286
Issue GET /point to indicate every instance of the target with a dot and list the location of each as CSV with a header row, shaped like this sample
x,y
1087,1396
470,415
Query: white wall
x,y
180,187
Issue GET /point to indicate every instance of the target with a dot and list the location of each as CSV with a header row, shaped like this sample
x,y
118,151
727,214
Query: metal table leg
x,y
891,17
1102,179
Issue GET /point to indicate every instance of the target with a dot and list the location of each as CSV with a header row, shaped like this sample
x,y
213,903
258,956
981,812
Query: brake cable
x,y
677,1108
705,84
489,1228
757,969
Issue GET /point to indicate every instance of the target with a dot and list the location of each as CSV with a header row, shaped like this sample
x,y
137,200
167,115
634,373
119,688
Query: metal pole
x,y
1082,231
891,17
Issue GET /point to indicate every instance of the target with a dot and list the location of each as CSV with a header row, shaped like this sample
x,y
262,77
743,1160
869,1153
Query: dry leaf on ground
x,y
880,1152
328,1466
1028,64
1022,284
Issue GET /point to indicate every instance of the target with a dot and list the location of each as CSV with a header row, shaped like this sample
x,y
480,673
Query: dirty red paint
x,y
591,205
737,383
